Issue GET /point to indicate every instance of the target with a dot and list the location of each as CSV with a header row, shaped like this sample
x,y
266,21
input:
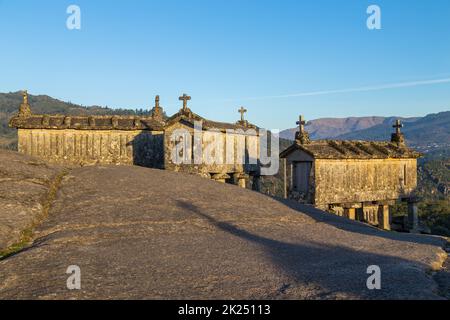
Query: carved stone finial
x,y
115,121
25,96
157,112
91,121
67,121
398,138
46,120
302,136
137,122
24,109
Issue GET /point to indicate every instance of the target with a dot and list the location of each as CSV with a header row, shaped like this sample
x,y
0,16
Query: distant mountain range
x,y
425,133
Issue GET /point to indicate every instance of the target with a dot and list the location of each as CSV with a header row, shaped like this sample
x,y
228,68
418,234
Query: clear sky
x,y
277,58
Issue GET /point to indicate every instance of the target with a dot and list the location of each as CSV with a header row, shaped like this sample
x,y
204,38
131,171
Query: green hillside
x,y
42,104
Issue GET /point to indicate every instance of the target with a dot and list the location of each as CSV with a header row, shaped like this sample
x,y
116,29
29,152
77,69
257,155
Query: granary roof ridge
x,y
190,117
97,116
119,122
26,120
352,149
86,122
185,114
225,125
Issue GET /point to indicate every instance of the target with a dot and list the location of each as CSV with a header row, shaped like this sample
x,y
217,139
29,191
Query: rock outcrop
x,y
140,233
25,188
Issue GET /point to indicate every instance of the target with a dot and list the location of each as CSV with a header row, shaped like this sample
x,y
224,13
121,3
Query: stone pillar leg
x,y
221,177
350,213
365,214
383,217
376,221
413,217
285,188
360,214
256,186
291,177
240,179
372,216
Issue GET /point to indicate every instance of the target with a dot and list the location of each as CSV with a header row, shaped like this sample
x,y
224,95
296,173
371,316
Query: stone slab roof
x,y
115,122
190,117
350,149
86,122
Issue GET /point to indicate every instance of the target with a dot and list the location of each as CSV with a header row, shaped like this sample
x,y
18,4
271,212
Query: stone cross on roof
x,y
185,98
301,124
398,125
302,136
398,137
242,111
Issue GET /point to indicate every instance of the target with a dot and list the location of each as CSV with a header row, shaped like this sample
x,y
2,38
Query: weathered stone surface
x,y
24,183
351,181
352,149
27,120
341,175
227,149
442,276
144,233
139,140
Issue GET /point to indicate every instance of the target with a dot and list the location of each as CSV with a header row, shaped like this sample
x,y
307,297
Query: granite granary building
x,y
355,179
147,141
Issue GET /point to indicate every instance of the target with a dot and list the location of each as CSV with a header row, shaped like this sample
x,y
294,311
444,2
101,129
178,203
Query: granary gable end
x,y
356,179
198,135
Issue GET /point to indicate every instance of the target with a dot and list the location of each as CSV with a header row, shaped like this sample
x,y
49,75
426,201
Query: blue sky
x,y
277,58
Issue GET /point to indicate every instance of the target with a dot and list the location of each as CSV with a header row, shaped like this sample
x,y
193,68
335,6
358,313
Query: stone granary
x,y
141,140
355,179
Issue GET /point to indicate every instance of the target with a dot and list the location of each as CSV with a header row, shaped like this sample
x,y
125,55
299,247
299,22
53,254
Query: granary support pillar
x,y
413,216
360,214
256,183
221,177
291,178
240,179
370,213
350,213
383,217
285,188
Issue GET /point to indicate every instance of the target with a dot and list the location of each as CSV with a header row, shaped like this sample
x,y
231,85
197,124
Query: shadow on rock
x,y
339,272
359,227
